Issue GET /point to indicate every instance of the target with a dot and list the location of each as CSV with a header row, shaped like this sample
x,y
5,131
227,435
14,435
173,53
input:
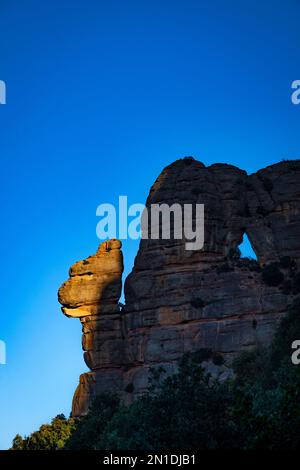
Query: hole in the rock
x,y
246,248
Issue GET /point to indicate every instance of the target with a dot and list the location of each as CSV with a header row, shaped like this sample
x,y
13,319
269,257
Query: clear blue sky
x,y
101,95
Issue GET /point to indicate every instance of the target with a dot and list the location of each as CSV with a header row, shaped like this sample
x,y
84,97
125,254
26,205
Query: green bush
x,y
201,355
271,275
250,366
288,331
287,262
293,165
190,411
234,253
49,437
218,359
198,303
129,388
91,427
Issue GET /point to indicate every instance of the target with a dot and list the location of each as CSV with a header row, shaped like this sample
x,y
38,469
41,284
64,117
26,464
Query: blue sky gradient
x,y
100,97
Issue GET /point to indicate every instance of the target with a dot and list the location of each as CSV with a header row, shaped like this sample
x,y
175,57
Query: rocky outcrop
x,y
92,294
180,301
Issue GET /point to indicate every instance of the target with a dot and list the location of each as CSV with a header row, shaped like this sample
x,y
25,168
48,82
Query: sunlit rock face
x,y
92,294
95,284
179,301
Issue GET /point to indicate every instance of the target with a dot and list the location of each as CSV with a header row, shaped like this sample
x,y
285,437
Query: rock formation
x,y
92,294
180,301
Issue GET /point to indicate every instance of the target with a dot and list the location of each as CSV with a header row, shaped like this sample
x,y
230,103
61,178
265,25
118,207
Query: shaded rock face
x,y
180,301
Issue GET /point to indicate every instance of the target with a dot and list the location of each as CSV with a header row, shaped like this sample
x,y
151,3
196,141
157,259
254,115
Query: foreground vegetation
x,y
259,409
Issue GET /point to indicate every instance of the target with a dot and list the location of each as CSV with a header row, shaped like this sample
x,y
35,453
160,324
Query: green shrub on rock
x,y
271,275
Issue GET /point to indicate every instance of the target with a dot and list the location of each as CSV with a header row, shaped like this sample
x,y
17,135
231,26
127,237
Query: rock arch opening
x,y
246,248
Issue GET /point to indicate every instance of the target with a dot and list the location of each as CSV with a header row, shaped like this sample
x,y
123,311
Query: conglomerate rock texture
x,y
179,300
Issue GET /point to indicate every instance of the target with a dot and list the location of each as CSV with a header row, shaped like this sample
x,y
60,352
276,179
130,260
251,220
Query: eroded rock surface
x,y
180,301
92,294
